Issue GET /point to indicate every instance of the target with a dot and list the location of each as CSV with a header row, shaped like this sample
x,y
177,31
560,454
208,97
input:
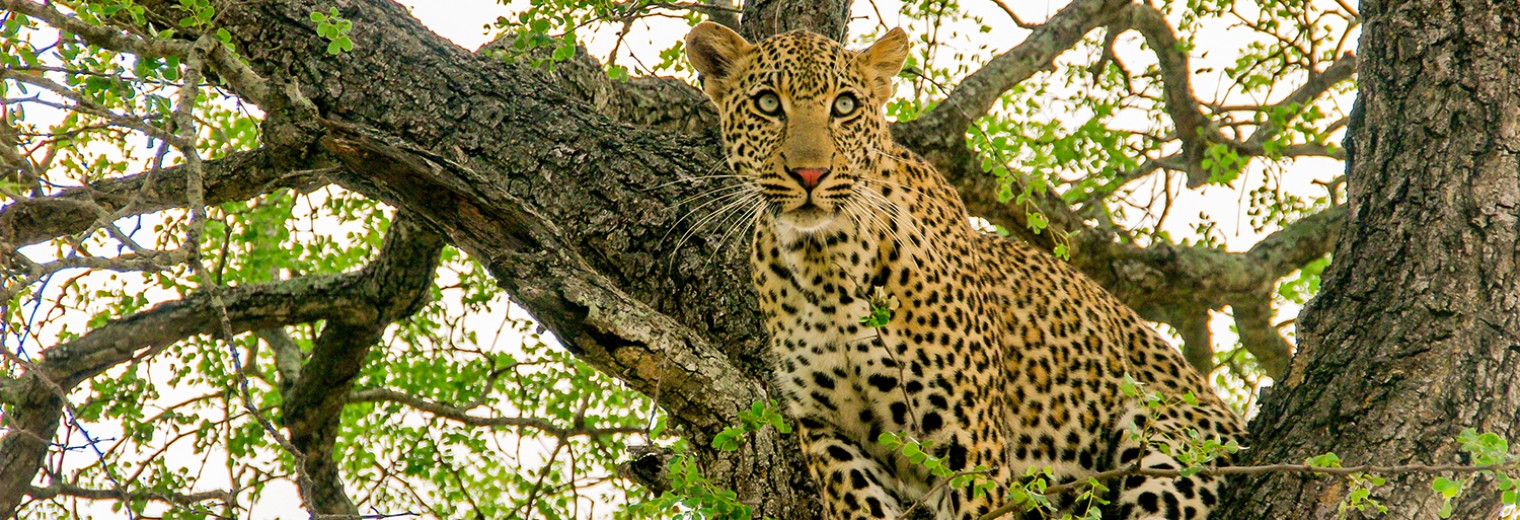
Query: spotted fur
x,y
999,354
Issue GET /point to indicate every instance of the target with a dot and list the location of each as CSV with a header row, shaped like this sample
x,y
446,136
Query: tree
x,y
1416,322
554,175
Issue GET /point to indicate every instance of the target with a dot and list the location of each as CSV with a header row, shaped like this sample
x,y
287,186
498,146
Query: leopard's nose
x,y
808,177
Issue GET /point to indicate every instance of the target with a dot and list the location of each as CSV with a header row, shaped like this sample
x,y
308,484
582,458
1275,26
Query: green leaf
x,y
1446,487
1037,222
617,73
1327,460
729,439
1129,387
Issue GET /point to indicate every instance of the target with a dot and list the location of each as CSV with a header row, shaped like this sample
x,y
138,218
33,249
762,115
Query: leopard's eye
x,y
845,105
768,103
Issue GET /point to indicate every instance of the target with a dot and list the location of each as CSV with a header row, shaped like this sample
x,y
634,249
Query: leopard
x,y
997,358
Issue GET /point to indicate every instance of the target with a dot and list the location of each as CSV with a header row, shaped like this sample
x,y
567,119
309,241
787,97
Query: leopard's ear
x,y
883,60
714,50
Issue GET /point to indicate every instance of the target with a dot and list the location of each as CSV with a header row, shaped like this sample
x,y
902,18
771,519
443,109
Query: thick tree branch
x,y
763,18
531,258
658,103
1305,240
238,176
1197,338
397,283
1193,127
1259,336
1172,283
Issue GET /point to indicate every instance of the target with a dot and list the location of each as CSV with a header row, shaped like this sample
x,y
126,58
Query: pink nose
x,y
809,177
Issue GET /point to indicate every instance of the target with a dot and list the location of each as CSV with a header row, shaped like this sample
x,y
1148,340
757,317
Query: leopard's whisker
x,y
896,215
732,224
696,179
721,212
717,198
712,192
858,213
879,221
883,153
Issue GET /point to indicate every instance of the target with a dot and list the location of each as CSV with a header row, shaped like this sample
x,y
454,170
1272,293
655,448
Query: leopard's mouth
x,y
809,206
806,218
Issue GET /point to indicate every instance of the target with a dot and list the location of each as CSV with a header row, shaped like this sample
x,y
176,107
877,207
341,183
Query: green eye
x,y
845,105
768,103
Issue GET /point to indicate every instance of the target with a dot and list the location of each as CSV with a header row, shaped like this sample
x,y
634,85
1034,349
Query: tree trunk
x,y
1416,333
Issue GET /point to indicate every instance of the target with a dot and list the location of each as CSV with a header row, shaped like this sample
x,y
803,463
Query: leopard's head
x,y
802,116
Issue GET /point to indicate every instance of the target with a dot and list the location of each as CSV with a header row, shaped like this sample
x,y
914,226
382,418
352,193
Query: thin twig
x,y
1135,469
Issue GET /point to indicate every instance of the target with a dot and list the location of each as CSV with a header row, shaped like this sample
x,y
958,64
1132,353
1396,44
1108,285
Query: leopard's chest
x,y
825,358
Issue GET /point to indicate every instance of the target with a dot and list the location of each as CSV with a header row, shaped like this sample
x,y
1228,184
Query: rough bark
x,y
1416,332
763,18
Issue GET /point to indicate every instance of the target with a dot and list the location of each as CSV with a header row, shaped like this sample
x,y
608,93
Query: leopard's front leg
x,y
855,485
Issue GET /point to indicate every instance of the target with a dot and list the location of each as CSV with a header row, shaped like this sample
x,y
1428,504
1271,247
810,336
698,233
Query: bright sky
x,y
463,21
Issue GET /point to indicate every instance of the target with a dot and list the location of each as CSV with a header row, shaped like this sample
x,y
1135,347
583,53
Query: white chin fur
x,y
806,221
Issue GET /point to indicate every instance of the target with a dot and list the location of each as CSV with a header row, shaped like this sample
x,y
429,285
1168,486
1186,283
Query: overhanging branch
x,y
1198,130
238,176
1193,127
